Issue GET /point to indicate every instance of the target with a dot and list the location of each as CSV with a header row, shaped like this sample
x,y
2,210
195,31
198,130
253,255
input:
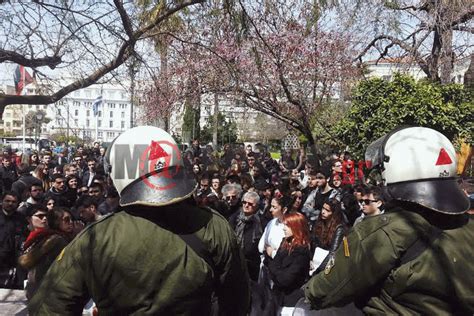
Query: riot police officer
x,y
162,255
417,258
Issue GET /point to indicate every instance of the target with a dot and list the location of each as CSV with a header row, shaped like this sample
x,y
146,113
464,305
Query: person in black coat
x,y
23,185
248,228
289,269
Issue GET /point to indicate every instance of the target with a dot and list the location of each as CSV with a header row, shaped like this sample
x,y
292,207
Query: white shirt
x,y
272,236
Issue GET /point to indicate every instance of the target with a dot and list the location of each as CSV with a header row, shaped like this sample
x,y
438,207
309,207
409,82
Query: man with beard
x,y
22,186
58,191
36,197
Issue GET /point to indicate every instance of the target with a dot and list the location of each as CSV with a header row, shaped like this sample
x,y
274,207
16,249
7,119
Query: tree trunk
x,y
313,149
163,49
469,76
216,121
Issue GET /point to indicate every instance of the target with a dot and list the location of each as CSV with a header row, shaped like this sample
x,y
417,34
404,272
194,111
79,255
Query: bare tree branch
x,y
124,52
50,61
463,29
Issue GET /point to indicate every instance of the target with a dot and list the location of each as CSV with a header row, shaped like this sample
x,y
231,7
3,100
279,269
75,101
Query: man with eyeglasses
x,y
372,203
231,193
13,232
248,228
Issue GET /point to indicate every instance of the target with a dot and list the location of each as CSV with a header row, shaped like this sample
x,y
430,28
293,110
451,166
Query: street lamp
x,y
39,117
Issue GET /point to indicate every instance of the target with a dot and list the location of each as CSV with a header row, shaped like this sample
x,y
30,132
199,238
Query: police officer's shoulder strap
x,y
198,246
420,245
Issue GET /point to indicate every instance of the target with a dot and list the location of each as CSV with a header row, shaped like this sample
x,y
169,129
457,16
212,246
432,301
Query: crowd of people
x,y
289,216
47,199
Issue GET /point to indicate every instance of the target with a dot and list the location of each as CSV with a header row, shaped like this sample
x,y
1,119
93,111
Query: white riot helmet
x,y
147,168
418,164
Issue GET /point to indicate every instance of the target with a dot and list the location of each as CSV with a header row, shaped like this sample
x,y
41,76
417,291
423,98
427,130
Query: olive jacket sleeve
x,y
372,255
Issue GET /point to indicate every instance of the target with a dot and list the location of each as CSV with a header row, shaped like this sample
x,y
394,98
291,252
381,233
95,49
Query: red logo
x,y
443,158
155,164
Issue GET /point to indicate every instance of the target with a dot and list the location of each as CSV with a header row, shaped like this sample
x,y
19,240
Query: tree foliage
x,y
226,129
32,122
379,106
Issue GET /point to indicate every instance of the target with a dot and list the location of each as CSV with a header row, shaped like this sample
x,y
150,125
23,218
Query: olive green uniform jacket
x,y
440,281
137,265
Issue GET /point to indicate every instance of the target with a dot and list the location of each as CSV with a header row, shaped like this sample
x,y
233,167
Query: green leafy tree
x,y
191,128
226,130
379,106
33,124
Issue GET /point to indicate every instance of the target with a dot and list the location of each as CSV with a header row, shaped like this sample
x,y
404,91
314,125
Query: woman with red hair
x,y
290,266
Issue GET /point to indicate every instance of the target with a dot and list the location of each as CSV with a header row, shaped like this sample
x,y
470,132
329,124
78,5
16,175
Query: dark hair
x,y
32,209
376,191
325,229
56,176
23,168
55,217
96,185
86,201
11,193
283,200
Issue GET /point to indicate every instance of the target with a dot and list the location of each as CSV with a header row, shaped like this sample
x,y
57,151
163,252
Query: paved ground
x,y
12,302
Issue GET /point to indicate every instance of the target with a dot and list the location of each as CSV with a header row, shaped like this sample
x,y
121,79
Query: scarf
x,y
37,235
242,222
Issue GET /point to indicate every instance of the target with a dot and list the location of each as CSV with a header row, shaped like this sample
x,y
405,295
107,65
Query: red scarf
x,y
37,235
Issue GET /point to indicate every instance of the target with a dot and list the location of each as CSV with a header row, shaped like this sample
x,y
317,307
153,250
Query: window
x,y
76,112
99,113
75,122
122,124
111,124
59,111
110,134
88,113
99,123
88,123
76,103
111,114
123,114
100,134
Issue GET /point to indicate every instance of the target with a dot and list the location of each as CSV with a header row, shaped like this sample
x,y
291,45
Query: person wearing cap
x,y
161,255
416,258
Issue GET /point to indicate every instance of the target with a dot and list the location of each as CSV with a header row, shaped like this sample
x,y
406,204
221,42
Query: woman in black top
x,y
290,266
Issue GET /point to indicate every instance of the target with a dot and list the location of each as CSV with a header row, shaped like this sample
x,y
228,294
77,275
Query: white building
x,y
249,126
75,112
73,115
387,67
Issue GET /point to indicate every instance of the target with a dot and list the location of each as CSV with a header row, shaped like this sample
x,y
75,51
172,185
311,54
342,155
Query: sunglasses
x,y
231,197
368,201
248,203
40,216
